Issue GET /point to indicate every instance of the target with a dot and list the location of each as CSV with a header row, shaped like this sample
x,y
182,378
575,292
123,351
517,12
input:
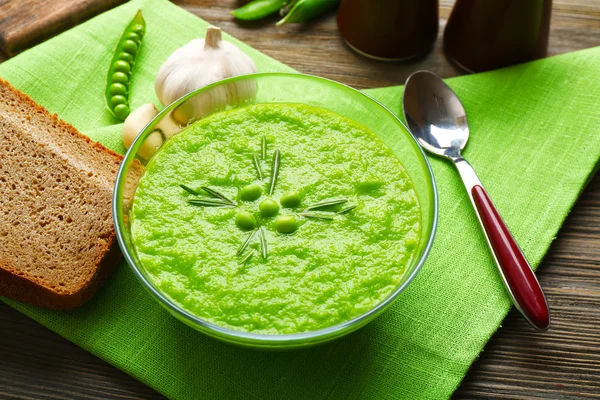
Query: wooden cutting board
x,y
25,23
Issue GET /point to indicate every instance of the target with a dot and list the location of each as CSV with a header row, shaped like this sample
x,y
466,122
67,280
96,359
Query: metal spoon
x,y
438,121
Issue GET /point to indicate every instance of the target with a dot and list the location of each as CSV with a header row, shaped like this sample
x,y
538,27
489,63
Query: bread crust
x,y
22,289
19,286
54,117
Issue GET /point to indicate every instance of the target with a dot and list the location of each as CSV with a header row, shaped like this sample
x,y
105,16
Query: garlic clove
x,y
151,145
168,126
138,119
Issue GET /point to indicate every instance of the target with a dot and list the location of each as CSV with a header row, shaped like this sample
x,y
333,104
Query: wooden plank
x,y
24,23
563,363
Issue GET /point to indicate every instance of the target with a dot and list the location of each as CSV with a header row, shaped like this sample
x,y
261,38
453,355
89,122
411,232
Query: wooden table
x,y
517,363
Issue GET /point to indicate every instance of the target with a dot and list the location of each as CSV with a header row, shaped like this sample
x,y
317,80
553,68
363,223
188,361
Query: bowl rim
x,y
261,338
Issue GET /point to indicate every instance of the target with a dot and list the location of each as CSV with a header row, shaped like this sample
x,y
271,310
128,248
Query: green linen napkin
x,y
534,143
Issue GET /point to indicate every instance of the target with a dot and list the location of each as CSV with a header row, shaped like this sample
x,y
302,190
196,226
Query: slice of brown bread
x,y
57,242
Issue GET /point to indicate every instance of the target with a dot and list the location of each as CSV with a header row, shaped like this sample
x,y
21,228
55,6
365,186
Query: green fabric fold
x,y
534,142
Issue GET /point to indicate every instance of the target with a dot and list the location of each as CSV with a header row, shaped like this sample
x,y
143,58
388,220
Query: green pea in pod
x,y
305,10
121,66
258,9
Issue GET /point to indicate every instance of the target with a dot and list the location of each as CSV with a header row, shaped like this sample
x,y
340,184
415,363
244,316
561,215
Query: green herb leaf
x,y
210,203
217,195
263,147
246,243
189,190
247,257
347,209
274,171
326,203
263,242
317,215
257,166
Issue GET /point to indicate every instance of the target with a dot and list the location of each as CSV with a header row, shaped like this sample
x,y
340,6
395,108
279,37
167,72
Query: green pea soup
x,y
323,265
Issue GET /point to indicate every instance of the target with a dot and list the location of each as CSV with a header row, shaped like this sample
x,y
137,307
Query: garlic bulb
x,y
197,64
137,120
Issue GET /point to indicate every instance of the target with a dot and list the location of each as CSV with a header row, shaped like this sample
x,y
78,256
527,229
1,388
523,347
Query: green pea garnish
x,y
121,66
245,221
285,224
290,200
251,192
268,208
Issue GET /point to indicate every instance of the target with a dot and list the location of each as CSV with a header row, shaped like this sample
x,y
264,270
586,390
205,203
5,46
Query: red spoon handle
x,y
516,271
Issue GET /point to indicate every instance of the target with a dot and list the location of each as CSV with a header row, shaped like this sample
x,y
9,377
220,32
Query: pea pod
x,y
118,79
305,10
258,9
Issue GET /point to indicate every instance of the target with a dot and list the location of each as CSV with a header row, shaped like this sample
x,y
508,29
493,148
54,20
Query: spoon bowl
x,y
435,116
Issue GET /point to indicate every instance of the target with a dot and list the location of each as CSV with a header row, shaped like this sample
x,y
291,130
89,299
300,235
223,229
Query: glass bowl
x,y
288,88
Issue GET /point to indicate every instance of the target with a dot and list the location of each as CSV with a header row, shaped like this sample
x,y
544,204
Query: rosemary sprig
x,y
257,166
210,203
189,190
247,257
263,242
317,215
347,209
326,203
274,171
217,195
246,243
263,147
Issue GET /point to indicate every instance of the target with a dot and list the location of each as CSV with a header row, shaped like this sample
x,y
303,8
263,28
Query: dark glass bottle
x,y
389,29
487,34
